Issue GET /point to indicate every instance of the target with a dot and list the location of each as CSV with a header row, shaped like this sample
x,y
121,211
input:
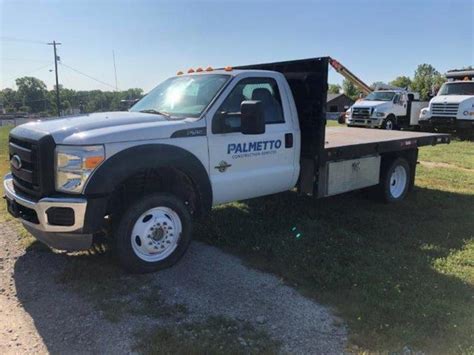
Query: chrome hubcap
x,y
398,181
389,125
156,233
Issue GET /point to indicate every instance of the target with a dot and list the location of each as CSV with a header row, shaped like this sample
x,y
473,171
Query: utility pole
x,y
115,71
58,103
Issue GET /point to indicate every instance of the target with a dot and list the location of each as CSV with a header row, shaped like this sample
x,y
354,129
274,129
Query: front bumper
x,y
365,122
34,216
446,123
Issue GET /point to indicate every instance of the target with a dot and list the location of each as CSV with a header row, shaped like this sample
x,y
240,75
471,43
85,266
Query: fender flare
x,y
130,161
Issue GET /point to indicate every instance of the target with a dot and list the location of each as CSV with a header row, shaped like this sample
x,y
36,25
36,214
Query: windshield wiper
x,y
156,112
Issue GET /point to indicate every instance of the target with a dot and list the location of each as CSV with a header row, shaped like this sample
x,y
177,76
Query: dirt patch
x,y
54,302
431,164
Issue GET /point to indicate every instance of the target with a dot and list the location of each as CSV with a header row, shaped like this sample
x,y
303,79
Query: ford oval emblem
x,y
15,161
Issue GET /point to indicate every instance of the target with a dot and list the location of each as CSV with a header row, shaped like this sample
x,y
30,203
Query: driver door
x,y
400,105
244,166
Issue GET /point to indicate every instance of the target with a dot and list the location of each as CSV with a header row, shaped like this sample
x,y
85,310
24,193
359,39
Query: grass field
x,y
399,275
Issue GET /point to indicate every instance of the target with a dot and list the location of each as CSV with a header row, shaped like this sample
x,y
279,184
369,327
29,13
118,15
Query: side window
x,y
396,99
227,118
402,99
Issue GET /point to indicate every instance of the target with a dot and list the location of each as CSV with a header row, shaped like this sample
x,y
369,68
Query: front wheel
x,y
395,180
389,123
153,233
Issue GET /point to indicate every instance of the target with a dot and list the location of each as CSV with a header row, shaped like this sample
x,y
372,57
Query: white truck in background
x,y
387,109
453,107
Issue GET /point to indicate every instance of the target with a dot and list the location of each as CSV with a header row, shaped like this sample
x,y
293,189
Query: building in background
x,y
336,104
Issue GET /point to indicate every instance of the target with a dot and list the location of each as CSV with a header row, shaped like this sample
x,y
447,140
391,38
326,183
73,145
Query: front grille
x,y
444,109
31,163
361,112
25,178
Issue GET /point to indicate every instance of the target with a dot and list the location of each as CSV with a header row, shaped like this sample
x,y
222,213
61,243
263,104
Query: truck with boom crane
x,y
389,109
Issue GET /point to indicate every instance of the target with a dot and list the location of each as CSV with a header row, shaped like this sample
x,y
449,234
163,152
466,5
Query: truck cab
x,y
387,109
197,140
453,107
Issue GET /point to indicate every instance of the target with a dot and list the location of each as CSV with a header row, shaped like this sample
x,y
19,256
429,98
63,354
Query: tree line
x,y
426,81
32,96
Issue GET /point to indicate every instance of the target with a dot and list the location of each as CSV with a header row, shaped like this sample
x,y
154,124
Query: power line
x,y
31,72
25,59
14,39
86,75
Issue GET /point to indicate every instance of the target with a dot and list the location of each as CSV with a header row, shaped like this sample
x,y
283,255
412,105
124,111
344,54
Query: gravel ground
x,y
38,314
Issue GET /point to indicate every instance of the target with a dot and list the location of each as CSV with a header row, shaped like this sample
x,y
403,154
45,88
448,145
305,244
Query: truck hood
x,y
450,99
107,127
367,103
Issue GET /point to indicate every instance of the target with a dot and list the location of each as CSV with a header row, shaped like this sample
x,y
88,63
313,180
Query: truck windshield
x,y
459,88
380,96
182,96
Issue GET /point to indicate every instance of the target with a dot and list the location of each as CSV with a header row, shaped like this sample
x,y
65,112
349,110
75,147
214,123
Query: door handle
x,y
289,140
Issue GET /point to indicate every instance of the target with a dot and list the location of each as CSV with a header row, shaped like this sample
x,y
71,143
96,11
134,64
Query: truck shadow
x,y
388,269
385,268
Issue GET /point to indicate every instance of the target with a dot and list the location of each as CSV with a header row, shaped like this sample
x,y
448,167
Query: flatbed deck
x,y
349,142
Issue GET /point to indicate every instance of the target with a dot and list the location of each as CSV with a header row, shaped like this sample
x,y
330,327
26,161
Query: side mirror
x,y
218,123
251,116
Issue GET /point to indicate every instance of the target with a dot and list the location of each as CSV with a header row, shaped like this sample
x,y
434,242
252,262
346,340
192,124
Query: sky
x,y
152,40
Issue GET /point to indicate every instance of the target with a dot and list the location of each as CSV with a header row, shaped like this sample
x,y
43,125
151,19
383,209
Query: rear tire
x,y
394,180
153,233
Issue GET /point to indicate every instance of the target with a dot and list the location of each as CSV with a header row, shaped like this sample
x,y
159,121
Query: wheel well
x,y
391,117
410,155
146,181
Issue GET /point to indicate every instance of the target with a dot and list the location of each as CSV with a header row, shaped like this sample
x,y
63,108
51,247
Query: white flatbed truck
x,y
197,140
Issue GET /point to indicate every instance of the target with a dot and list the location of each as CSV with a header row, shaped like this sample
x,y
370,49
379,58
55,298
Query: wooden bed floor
x,y
347,136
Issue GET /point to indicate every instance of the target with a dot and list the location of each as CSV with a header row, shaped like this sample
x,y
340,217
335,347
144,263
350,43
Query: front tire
x,y
153,233
389,123
395,180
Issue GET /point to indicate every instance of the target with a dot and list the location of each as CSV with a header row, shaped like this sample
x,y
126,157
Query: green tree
x,y
130,94
9,99
426,80
350,90
334,88
378,85
401,82
32,93
33,96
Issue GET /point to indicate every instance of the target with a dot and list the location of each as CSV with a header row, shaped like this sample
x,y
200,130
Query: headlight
x,y
379,114
424,111
74,165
